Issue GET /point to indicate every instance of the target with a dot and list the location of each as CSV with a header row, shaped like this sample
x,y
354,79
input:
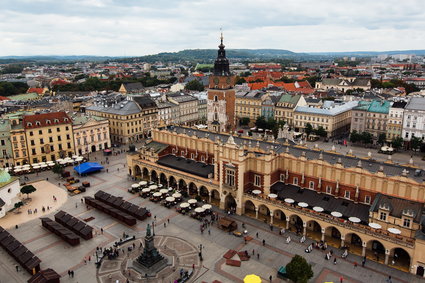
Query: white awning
x,y
289,200
318,209
354,219
336,214
302,204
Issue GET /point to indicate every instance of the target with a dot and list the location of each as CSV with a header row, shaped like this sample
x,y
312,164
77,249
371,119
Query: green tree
x,y
57,169
321,132
355,137
194,85
18,205
382,138
244,121
415,143
308,129
397,142
240,81
298,270
366,138
261,122
28,189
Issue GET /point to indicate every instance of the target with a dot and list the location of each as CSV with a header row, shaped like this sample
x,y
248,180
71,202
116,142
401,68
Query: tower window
x,y
215,98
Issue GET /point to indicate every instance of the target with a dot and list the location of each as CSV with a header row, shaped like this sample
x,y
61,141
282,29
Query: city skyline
x,y
131,28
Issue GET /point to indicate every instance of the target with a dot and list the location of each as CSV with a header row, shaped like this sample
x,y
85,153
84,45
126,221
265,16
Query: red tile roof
x,y
38,90
45,120
4,98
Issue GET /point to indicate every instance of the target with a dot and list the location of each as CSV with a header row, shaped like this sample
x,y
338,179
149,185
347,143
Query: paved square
x,y
60,256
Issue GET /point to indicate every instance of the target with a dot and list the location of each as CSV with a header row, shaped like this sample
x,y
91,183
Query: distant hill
x,y
207,56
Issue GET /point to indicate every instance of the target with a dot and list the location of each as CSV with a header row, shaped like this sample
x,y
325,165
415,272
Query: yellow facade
x,y
248,107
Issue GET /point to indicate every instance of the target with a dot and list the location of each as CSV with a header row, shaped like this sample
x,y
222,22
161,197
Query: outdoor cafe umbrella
x,y
63,162
135,186
336,214
207,206
375,225
192,201
394,231
318,209
354,219
36,166
289,200
143,183
170,199
252,278
256,192
199,210
177,195
44,165
160,185
153,187
184,205
50,163
146,190
163,191
302,204
157,194
272,195
59,160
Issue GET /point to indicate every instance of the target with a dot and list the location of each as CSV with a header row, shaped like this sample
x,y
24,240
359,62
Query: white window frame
x,y
295,181
311,185
408,220
329,190
383,216
230,177
282,177
367,199
257,180
347,193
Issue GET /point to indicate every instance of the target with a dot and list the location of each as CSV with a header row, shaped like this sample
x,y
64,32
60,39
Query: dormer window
x,y
383,216
56,121
37,123
48,122
65,119
29,124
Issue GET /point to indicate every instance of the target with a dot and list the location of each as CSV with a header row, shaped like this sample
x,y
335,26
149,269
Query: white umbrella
x,y
354,219
63,162
302,204
50,163
44,165
70,161
336,214
157,194
375,225
256,192
318,209
192,201
153,187
79,159
289,200
27,166
160,186
6,169
18,170
163,191
75,156
272,195
394,231
18,167
135,186
207,206
143,183
170,199
170,189
36,166
199,210
177,195
184,205
146,190
59,160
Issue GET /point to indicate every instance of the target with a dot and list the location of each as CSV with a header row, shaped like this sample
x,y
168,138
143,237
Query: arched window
x,y
311,185
215,98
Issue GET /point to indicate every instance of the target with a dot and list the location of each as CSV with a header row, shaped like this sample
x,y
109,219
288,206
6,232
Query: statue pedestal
x,y
152,270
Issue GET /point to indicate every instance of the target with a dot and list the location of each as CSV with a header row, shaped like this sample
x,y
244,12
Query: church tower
x,y
221,95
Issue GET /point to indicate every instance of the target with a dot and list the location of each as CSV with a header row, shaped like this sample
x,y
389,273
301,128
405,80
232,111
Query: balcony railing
x,y
399,240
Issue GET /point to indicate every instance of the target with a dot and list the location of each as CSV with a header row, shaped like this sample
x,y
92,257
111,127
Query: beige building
x,y
380,205
188,108
371,117
49,136
248,105
395,120
129,120
335,119
284,110
91,134
343,84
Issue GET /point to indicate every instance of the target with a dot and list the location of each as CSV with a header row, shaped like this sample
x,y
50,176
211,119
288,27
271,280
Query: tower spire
x,y
221,37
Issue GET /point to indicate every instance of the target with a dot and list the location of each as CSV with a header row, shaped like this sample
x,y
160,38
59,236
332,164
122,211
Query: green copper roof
x,y
380,106
293,99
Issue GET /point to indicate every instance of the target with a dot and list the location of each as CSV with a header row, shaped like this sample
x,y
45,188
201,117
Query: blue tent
x,y
88,167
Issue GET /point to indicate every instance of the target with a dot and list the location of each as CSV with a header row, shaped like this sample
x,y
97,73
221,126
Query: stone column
x,y
304,228
323,234
271,218
342,240
209,196
387,256
287,222
256,213
364,249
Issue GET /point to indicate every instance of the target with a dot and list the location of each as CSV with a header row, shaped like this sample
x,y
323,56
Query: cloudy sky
x,y
139,27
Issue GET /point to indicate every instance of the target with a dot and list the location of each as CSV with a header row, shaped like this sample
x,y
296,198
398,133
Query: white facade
x,y
9,193
414,119
91,134
217,112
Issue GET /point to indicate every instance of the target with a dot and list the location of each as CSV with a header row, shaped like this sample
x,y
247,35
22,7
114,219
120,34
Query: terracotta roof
x,y
4,98
38,90
45,120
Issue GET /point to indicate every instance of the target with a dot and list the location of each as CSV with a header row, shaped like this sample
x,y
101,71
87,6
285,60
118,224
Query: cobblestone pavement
x,y
58,255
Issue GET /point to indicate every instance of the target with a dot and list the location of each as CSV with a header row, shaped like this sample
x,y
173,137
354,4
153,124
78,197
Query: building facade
x,y
249,105
188,108
226,173
49,136
91,134
395,120
414,119
221,95
6,154
335,119
130,120
9,192
343,84
285,107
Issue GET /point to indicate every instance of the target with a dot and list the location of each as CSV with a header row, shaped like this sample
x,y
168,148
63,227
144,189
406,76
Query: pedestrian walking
x,y
264,242
253,252
209,232
258,256
165,224
69,273
335,260
101,230
168,220
270,278
17,268
389,280
193,266
355,264
341,279
256,234
364,261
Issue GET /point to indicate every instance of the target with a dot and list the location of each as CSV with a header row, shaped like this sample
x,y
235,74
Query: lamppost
x,y
200,252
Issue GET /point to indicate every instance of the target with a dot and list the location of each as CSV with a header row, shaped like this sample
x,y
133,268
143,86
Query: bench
x,y
229,254
233,262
